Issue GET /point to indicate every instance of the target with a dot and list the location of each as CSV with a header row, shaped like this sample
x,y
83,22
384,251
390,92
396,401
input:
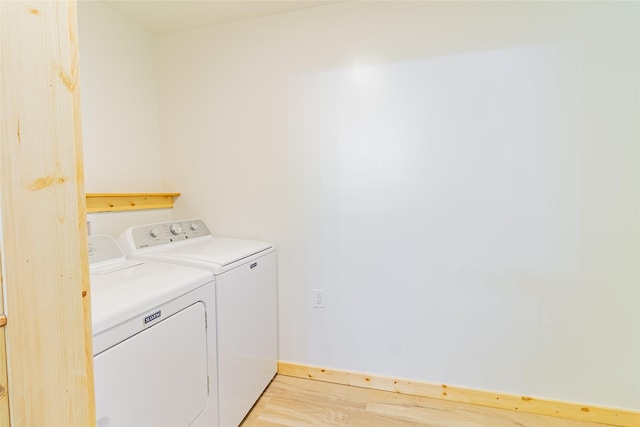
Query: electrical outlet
x,y
318,298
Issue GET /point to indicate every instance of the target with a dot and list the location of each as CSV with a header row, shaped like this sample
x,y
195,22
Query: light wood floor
x,y
297,402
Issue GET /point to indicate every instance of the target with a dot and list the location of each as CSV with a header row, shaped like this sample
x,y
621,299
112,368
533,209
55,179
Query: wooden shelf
x,y
112,202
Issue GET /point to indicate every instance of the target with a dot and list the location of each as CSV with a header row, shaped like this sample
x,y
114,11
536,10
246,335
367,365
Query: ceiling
x,y
170,16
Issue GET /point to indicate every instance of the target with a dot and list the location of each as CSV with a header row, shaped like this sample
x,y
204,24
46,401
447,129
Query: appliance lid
x,y
213,250
123,293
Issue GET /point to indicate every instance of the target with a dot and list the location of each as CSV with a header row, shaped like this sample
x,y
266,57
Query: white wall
x,y
460,178
114,223
119,103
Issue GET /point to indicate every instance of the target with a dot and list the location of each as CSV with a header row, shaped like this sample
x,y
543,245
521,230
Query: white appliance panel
x,y
247,349
119,295
156,378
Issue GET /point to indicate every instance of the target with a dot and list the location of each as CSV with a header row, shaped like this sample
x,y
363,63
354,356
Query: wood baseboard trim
x,y
539,406
111,202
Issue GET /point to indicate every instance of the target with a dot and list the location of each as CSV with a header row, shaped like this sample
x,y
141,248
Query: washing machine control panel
x,y
146,236
103,248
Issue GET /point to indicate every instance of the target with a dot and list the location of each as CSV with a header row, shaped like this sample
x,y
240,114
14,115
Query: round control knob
x,y
175,229
154,232
193,226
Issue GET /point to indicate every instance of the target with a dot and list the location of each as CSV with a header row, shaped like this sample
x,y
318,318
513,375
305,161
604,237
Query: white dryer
x,y
153,341
246,303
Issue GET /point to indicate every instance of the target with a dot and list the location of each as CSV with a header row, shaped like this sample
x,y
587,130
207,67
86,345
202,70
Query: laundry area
x,y
175,308
314,213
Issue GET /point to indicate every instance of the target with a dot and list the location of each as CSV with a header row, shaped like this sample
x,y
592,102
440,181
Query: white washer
x,y
153,341
246,303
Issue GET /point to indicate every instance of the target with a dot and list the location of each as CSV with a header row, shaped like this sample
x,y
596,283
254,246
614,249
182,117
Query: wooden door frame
x,y
42,203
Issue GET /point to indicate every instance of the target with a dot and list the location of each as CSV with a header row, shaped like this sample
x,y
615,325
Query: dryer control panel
x,y
147,236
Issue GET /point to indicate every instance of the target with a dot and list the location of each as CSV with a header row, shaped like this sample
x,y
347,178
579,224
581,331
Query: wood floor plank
x,y
299,402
